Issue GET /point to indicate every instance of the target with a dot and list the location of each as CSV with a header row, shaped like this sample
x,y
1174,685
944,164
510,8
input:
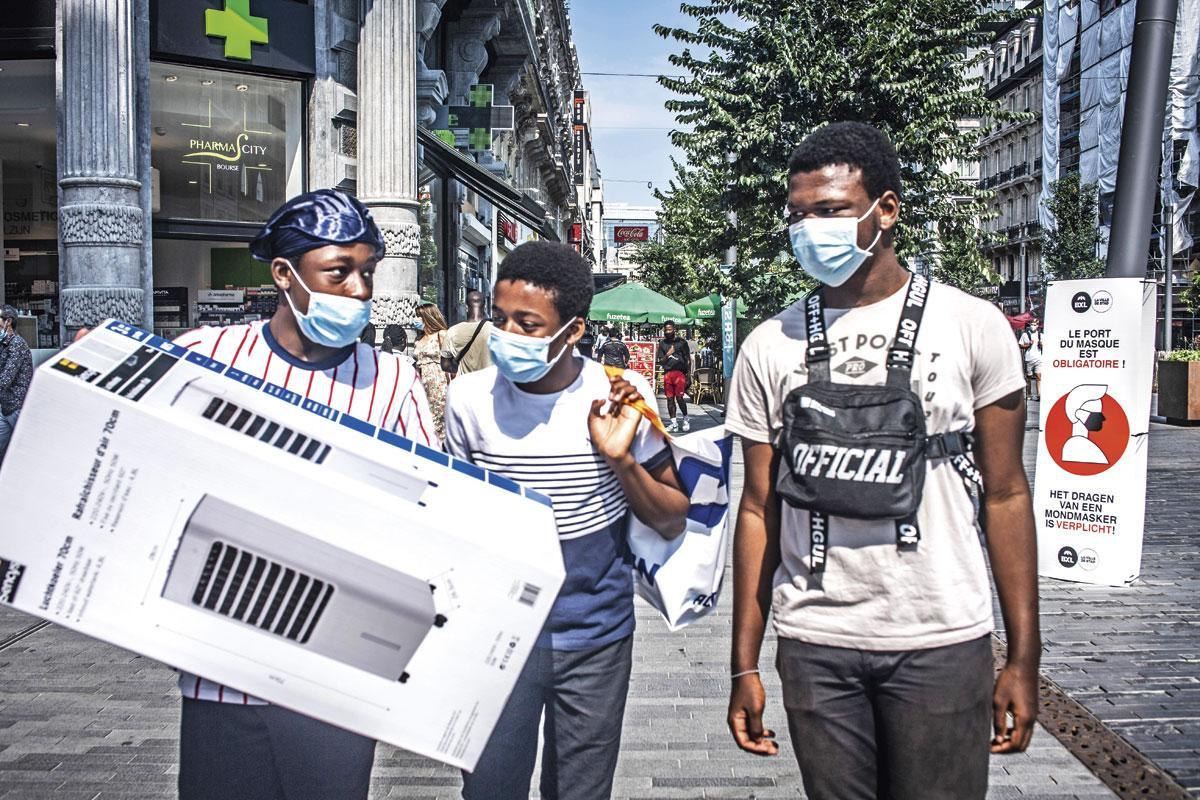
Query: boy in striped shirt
x,y
322,248
545,416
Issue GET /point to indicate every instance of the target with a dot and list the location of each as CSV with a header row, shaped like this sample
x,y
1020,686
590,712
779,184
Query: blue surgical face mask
x,y
332,320
827,248
419,326
524,359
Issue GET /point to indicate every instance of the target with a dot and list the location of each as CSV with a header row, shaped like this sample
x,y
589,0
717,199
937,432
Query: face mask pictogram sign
x,y
1090,489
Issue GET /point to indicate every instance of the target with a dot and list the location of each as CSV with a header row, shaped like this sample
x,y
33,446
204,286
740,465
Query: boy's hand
x,y
613,430
746,702
1016,694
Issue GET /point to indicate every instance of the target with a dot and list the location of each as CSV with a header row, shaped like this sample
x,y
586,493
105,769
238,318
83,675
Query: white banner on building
x,y
1090,488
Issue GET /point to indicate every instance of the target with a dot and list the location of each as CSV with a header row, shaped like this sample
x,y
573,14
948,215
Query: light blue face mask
x,y
524,359
332,320
827,248
419,326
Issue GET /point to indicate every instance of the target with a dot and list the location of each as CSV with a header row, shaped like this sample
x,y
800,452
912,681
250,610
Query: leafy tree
x,y
1069,245
962,264
758,77
1190,297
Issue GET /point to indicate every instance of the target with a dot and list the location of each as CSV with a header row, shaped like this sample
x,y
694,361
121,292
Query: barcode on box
x,y
529,594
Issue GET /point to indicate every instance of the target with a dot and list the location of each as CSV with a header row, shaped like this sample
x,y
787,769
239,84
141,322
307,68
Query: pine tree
x,y
1069,246
771,73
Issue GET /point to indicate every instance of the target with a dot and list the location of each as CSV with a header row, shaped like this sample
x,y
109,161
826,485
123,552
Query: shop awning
x,y
512,202
709,307
633,302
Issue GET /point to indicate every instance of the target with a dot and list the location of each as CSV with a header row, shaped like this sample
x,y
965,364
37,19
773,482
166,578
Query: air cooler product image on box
x,y
254,571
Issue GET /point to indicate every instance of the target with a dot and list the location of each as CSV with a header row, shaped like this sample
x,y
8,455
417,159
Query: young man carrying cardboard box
x,y
322,247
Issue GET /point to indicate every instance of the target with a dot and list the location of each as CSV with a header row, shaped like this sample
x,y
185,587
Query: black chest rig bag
x,y
861,451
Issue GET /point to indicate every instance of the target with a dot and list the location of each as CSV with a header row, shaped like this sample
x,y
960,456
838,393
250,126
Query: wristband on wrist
x,y
737,675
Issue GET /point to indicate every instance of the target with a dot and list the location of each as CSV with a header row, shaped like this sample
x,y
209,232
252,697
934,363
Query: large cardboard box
x,y
158,500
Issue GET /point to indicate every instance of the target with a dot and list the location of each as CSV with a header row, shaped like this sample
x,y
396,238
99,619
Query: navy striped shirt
x,y
542,441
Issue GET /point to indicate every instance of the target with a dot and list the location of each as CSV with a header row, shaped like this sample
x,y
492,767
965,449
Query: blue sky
x,y
629,124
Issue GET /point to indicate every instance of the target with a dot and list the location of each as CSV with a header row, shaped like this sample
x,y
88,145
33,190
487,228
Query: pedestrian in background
x,y
16,371
395,340
586,342
675,357
368,335
614,353
884,615
1031,345
466,343
601,338
427,353
322,248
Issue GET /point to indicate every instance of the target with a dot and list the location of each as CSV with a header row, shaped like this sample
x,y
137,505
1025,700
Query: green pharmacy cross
x,y
237,27
480,119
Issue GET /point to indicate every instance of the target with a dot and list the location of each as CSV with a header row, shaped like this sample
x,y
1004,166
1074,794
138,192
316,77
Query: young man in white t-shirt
x,y
547,417
884,651
322,248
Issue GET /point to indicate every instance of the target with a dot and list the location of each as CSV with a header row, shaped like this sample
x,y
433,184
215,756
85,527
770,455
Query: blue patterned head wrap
x,y
313,220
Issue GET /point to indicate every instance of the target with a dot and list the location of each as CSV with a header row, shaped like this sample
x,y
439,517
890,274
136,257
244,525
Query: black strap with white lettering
x,y
902,353
818,540
816,358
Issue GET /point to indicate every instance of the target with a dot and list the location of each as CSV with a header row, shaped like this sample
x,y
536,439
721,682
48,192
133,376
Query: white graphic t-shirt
x,y
872,595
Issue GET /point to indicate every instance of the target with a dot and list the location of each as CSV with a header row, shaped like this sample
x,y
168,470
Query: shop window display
x,y
226,147
29,194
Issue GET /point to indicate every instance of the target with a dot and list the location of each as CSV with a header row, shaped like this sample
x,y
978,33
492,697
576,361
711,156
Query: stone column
x,y
101,221
387,150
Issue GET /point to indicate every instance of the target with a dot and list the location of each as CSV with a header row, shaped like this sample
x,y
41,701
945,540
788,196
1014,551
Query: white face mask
x,y
827,248
524,359
332,320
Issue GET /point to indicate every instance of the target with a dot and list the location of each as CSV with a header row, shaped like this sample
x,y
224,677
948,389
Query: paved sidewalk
x,y
80,719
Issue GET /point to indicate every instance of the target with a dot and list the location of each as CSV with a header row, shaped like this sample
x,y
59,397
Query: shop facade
x,y
227,145
214,112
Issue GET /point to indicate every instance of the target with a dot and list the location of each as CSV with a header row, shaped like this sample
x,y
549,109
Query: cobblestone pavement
x,y
80,719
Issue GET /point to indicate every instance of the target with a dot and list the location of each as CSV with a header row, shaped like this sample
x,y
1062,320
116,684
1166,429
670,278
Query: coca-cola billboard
x,y
631,233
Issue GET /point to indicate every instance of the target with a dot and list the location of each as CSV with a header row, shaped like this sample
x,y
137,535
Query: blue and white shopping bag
x,y
682,577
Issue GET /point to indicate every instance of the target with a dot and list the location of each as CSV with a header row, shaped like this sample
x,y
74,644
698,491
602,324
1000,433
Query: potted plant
x,y
1179,387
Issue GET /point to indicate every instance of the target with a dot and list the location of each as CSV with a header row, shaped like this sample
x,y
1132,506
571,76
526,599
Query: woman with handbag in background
x,y
427,353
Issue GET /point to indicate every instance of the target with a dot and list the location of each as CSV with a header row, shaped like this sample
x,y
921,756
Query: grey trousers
x,y
583,694
913,725
235,752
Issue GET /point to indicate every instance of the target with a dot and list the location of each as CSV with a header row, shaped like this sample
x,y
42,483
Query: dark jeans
x,y
235,752
912,725
7,423
583,694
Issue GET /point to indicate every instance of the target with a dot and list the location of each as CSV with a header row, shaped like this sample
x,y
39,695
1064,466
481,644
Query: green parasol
x,y
633,302
710,307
